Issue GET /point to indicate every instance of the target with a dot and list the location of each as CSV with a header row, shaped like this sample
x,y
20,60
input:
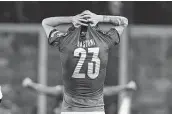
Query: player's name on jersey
x,y
86,43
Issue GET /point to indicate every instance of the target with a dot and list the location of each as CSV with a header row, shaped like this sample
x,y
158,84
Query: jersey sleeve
x,y
114,36
55,37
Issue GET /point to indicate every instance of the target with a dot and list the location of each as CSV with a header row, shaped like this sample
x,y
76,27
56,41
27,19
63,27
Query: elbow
x,y
125,21
44,22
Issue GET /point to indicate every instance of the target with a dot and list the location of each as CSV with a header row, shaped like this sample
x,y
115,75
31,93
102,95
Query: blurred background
x,y
144,54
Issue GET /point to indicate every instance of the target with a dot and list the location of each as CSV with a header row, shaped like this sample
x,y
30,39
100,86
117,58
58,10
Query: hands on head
x,y
85,18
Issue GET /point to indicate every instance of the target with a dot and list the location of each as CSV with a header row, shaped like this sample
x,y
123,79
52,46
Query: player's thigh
x,y
82,112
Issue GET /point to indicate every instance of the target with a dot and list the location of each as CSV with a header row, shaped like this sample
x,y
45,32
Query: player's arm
x,y
53,91
50,23
53,34
119,22
112,90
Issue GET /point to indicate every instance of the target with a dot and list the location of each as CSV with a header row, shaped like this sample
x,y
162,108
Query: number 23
x,y
83,55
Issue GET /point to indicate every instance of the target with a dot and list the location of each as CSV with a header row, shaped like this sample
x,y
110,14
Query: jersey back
x,y
84,60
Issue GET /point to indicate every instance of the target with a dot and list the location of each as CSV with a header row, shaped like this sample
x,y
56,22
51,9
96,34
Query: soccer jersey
x,y
84,59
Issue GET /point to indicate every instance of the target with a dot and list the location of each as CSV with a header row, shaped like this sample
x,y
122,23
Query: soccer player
x,y
84,53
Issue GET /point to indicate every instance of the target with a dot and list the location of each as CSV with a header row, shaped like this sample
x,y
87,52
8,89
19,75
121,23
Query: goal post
x,y
123,74
42,71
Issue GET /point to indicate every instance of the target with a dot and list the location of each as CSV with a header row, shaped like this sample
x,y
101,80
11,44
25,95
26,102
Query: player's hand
x,y
79,20
93,18
131,86
27,82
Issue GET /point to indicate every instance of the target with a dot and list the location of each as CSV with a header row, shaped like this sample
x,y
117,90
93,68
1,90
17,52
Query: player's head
x,y
84,28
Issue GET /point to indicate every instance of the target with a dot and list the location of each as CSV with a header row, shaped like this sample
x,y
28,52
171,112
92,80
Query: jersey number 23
x,y
83,53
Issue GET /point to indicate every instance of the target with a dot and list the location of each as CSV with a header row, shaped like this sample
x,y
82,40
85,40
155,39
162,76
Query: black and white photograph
x,y
85,57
